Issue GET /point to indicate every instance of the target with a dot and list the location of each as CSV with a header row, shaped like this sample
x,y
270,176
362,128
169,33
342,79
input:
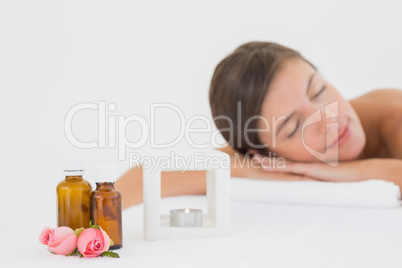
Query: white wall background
x,y
57,54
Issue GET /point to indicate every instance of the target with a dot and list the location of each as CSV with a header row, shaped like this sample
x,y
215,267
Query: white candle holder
x,y
216,219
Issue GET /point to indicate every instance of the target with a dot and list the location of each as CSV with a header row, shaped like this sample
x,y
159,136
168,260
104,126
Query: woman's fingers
x,y
286,169
273,164
259,167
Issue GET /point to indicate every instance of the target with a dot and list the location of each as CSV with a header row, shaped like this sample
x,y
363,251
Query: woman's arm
x,y
175,183
172,183
375,168
383,124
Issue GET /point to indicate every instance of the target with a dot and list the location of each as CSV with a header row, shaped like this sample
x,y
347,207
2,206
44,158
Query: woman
x,y
268,101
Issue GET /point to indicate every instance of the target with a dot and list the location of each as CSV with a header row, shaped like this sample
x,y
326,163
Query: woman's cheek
x,y
293,150
312,139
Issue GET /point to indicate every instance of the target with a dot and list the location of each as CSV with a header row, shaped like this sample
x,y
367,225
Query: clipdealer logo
x,y
112,130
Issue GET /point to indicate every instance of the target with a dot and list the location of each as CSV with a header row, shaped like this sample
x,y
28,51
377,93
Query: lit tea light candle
x,y
186,217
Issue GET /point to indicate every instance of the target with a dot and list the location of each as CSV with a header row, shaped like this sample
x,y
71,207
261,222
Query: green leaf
x,y
73,253
52,252
93,226
110,254
78,231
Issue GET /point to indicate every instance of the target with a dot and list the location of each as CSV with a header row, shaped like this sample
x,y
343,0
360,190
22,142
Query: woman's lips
x,y
343,137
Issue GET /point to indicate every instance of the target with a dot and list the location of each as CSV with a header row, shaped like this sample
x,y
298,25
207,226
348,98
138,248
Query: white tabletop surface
x,y
262,235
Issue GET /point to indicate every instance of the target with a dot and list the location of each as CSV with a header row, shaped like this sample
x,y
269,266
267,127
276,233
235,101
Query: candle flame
x,y
186,210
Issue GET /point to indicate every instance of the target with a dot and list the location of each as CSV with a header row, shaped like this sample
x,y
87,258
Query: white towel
x,y
369,193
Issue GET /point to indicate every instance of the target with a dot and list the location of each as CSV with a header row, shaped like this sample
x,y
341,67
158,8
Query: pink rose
x,y
46,235
93,242
60,240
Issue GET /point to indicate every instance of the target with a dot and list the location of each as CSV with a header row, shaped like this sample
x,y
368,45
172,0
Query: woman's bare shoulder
x,y
384,106
380,102
385,96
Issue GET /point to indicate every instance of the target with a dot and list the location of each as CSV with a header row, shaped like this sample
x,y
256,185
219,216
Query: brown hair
x,y
243,78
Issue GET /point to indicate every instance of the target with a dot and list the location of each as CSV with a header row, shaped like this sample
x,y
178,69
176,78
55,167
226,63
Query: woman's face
x,y
307,119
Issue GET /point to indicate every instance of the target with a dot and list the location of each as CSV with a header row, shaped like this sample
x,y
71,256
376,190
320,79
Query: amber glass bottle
x,y
73,196
106,205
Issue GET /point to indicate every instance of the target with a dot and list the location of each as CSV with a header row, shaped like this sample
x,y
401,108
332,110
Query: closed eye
x,y
295,130
319,92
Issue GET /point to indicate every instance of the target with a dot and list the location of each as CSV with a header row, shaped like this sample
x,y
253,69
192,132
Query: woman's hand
x,y
319,171
384,169
247,167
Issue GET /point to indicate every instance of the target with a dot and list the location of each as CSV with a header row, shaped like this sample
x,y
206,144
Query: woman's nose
x,y
326,117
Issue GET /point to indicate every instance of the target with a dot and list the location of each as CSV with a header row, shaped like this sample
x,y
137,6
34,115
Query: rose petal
x,y
66,246
95,245
62,232
106,240
93,242
46,236
55,243
84,239
59,234
90,254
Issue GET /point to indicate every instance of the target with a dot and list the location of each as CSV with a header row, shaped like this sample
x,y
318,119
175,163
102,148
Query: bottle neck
x,y
104,185
74,178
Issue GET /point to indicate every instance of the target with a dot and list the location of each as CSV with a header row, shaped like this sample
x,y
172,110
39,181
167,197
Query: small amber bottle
x,y
73,196
106,205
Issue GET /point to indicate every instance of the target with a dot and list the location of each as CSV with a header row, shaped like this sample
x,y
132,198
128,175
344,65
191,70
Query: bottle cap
x,y
74,166
105,173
